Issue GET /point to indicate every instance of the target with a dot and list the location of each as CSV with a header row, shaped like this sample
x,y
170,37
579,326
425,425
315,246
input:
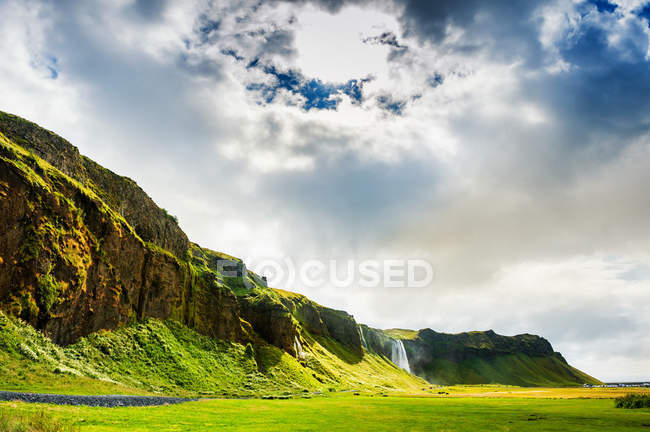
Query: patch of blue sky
x,y
316,93
52,63
603,5
644,12
391,105
435,80
207,27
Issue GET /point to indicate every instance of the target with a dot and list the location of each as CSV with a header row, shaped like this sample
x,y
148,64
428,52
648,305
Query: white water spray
x,y
363,339
398,355
297,347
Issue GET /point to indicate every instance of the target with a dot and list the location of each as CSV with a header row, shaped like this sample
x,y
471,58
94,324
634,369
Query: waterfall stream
x,y
363,339
297,347
398,355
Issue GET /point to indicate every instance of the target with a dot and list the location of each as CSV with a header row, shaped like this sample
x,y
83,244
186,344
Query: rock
x,y
271,320
152,223
323,321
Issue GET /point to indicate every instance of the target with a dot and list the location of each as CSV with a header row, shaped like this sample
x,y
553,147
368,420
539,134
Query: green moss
x,y
41,174
158,250
22,304
402,333
47,292
208,263
31,246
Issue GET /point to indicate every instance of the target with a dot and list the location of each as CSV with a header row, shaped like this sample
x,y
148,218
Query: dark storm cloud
x,y
332,6
498,18
507,28
278,42
603,92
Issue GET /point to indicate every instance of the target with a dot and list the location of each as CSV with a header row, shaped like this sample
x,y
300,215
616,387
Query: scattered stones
x,y
106,401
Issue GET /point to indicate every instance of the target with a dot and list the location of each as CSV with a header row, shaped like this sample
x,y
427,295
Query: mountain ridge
x,y
86,250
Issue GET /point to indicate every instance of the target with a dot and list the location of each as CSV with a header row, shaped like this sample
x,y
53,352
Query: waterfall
x,y
398,355
363,339
300,354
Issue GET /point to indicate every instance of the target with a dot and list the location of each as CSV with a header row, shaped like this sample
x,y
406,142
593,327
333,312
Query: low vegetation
x,y
633,400
165,357
12,420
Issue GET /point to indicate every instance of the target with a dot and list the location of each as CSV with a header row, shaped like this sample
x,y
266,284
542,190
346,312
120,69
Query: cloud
x,y
386,38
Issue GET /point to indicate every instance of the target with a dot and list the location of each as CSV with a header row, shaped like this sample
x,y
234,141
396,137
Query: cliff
x,y
83,249
479,357
72,264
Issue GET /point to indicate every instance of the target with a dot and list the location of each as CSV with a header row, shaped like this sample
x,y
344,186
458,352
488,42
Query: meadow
x,y
464,409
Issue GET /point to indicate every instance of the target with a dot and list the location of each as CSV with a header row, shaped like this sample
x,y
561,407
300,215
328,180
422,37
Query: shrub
x,y
170,216
633,401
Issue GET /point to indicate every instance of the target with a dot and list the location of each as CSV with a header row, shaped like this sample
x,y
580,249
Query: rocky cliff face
x,y
322,321
121,194
462,346
377,341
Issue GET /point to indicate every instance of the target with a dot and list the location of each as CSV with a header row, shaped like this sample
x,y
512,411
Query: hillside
x,y
156,356
480,358
122,296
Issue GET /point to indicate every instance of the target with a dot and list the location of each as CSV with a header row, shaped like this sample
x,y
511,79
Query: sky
x,y
506,144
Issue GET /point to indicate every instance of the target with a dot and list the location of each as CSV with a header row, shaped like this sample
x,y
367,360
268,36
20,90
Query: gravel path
x,y
94,401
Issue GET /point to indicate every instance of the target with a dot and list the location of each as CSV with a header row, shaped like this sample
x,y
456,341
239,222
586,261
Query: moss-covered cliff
x,y
72,265
123,195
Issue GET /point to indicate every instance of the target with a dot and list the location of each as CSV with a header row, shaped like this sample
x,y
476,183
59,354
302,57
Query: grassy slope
x,y
371,372
402,333
343,413
518,369
166,357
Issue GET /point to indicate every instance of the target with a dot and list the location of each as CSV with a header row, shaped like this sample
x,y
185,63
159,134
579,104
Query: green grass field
x,y
348,412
